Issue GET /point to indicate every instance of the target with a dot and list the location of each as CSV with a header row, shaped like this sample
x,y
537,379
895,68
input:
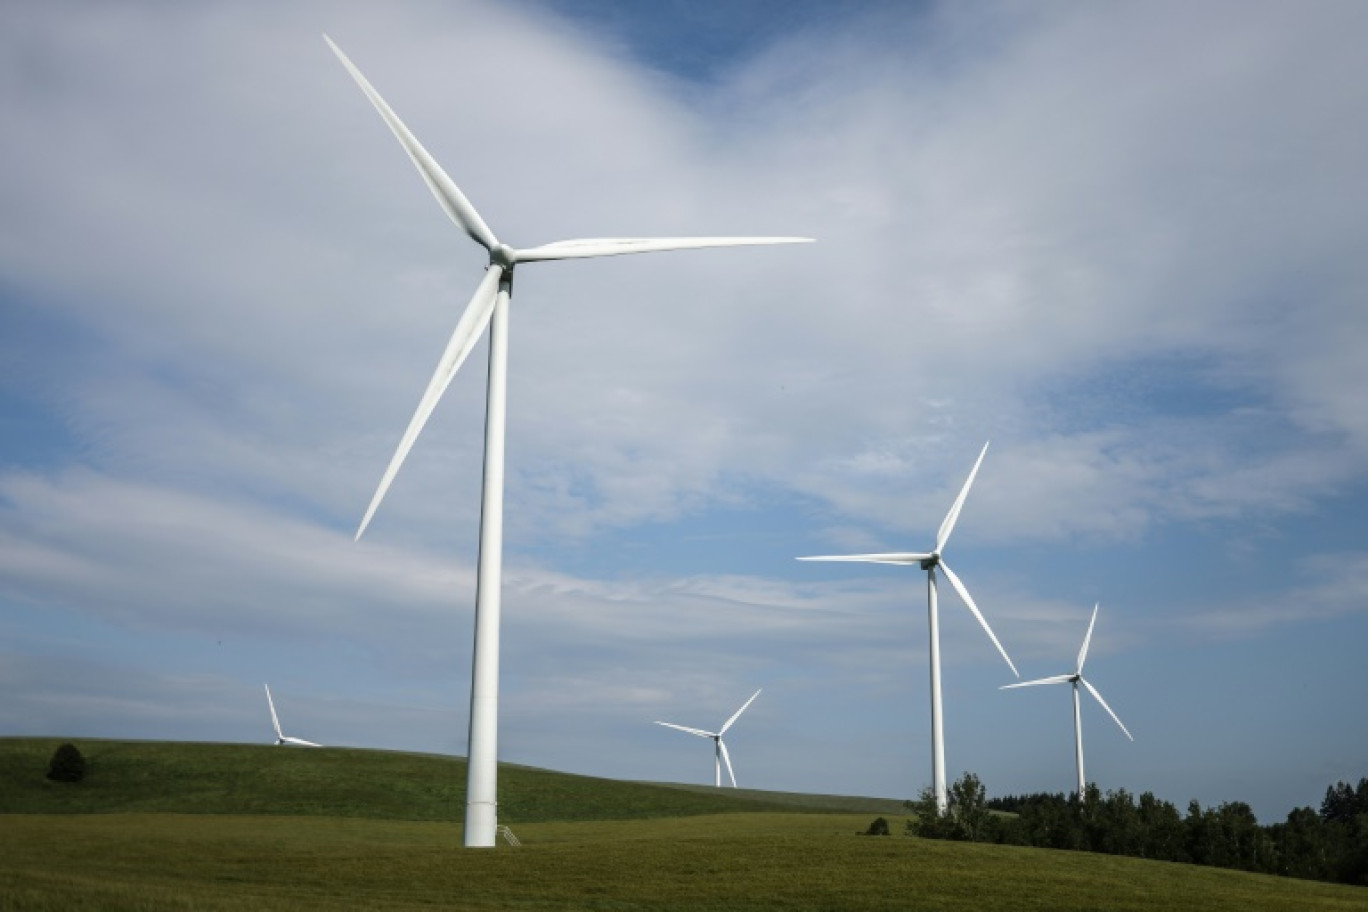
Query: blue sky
x,y
1121,241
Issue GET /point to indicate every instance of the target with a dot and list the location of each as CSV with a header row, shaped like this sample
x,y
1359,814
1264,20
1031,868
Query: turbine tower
x,y
1075,679
720,754
929,561
281,737
490,306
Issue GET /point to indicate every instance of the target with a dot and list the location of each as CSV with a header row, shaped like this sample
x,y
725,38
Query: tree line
x,y
1329,844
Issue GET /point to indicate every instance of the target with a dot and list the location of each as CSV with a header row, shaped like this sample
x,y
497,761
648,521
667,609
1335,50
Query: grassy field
x,y
190,778
608,846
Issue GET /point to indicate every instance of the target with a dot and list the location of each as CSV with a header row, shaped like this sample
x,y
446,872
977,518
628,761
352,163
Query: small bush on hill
x,y
878,828
66,765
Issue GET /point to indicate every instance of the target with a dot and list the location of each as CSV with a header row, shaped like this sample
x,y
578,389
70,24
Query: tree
x,y
66,765
1301,845
967,818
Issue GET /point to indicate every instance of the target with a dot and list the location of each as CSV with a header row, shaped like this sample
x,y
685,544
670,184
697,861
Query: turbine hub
x,y
503,255
932,561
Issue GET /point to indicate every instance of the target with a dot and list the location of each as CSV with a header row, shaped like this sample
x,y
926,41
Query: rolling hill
x,y
237,827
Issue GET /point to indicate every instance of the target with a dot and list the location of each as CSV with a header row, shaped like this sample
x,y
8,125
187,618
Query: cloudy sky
x,y
1123,242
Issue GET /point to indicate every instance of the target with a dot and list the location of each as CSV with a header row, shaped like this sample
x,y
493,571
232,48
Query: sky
x,y
1123,242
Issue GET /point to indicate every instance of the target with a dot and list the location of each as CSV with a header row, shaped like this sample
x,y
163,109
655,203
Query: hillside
x,y
244,827
200,778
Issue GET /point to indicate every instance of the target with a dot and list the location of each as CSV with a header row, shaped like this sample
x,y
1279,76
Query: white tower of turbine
x,y
490,306
929,561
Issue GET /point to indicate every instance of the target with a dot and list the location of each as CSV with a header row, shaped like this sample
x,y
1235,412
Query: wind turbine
x,y
929,561
489,306
720,754
1075,679
281,737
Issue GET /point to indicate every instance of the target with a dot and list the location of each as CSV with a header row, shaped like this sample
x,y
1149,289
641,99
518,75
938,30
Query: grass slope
x,y
191,778
236,827
738,862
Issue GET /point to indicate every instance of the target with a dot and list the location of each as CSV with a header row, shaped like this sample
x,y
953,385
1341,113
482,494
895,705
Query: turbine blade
x,y
600,247
1057,679
969,603
899,557
693,731
948,524
444,188
1115,718
468,329
1083,653
274,719
727,758
729,722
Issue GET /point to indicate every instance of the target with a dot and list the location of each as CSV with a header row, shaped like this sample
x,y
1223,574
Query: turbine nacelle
x,y
503,255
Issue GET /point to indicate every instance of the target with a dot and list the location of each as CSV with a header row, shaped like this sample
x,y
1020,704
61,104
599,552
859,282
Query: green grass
x,y
741,862
190,778
181,826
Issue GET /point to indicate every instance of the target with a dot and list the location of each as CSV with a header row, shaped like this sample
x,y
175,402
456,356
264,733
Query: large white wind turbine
x,y
490,306
929,561
720,754
281,737
1075,679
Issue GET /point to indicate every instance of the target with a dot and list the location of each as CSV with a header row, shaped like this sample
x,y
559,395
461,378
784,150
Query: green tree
x,y
1301,844
66,765
1161,827
967,818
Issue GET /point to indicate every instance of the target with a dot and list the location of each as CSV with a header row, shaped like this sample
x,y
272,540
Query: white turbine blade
x,y
600,247
727,758
969,603
729,722
468,329
442,187
1057,679
1115,718
948,524
274,719
899,557
693,731
301,743
1083,653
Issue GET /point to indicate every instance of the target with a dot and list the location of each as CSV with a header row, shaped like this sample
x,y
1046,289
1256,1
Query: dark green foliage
x,y
1345,815
879,827
66,765
966,819
1331,845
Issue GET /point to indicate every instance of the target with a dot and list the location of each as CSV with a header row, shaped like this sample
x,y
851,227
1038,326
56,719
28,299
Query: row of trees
x,y
1331,844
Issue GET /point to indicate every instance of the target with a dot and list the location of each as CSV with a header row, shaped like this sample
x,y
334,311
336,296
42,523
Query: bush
x,y
878,828
66,765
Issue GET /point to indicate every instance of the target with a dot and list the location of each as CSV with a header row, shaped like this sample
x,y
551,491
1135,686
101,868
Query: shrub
x,y
66,765
878,828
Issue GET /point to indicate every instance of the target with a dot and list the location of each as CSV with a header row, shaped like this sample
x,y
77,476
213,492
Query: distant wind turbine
x,y
1075,679
489,307
720,754
929,561
281,737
